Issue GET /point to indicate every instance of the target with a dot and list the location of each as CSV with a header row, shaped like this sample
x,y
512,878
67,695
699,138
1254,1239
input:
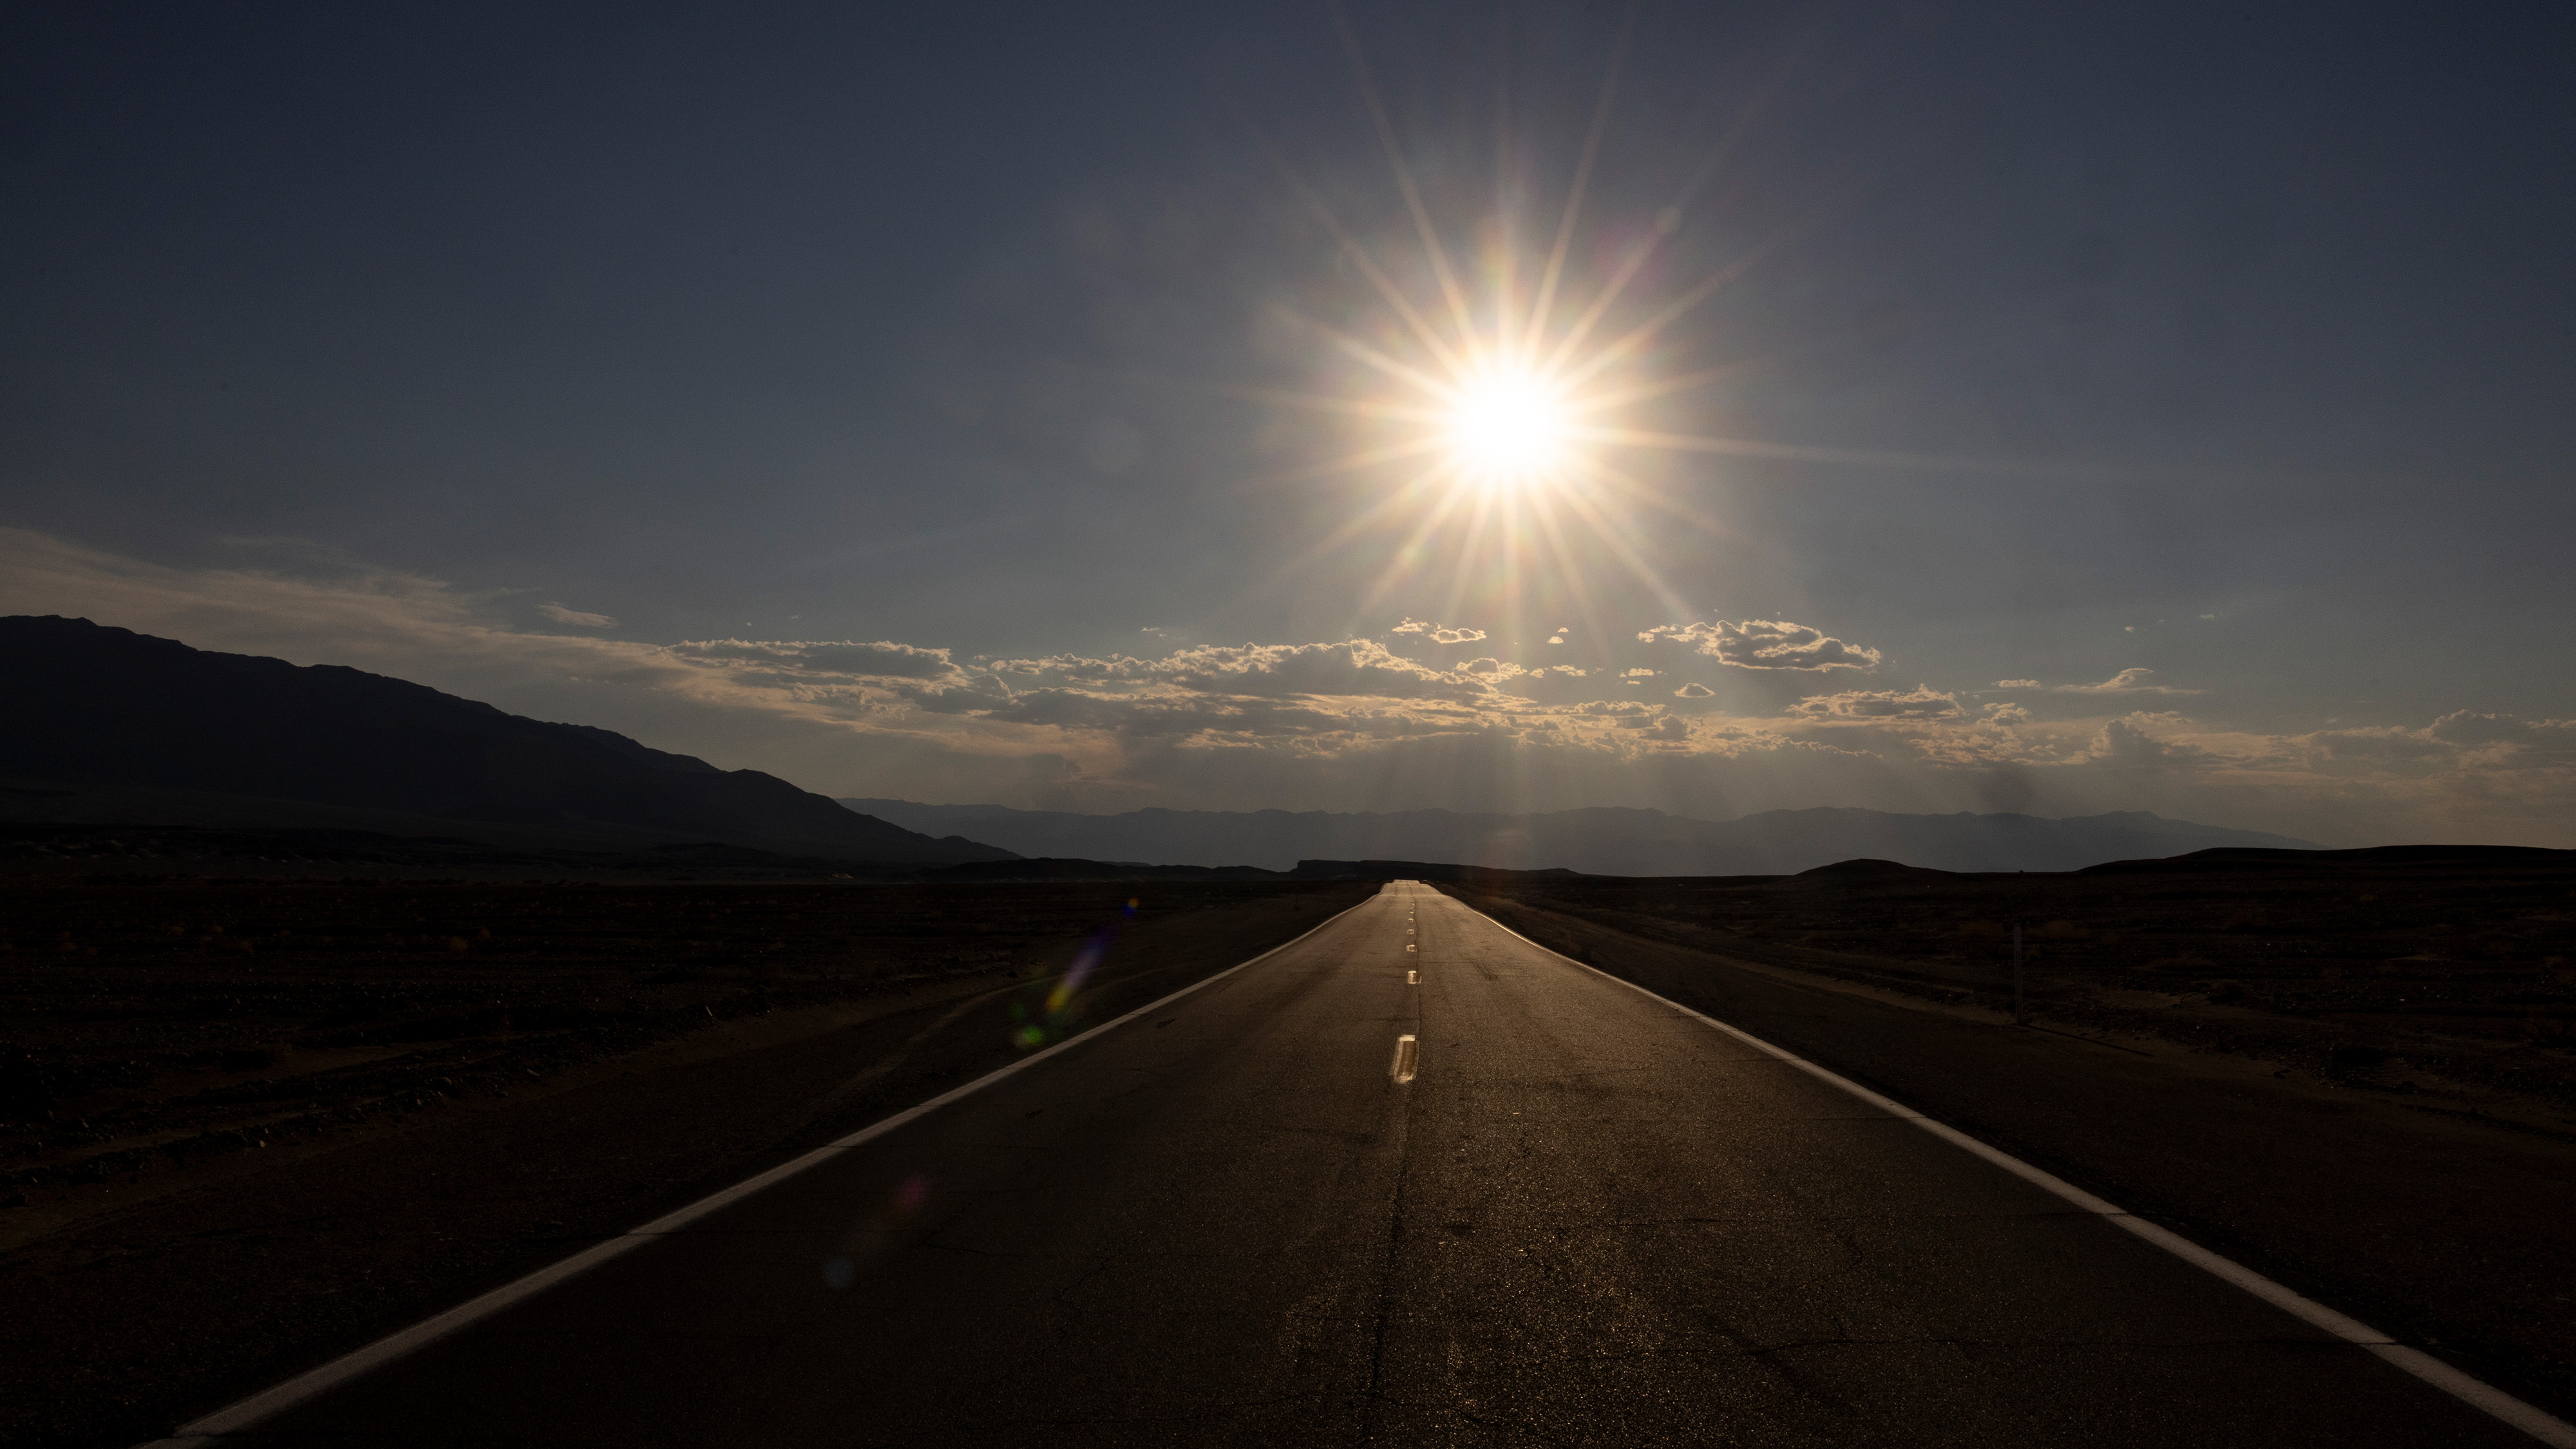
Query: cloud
x,y
2127,681
2464,740
1641,674
1437,634
562,615
1885,704
2005,713
1767,644
2125,744
2016,684
1693,691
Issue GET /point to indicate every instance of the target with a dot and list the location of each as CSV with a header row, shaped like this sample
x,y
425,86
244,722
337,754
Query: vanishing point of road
x,y
1565,1213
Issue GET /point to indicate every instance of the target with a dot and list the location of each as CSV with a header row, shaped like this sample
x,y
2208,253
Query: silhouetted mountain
x,y
152,726
1595,842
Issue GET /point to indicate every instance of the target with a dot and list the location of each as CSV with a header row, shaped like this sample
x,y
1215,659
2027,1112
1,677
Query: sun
x,y
1507,428
1495,375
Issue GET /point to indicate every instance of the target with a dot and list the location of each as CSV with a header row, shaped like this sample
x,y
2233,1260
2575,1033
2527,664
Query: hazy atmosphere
x,y
1918,407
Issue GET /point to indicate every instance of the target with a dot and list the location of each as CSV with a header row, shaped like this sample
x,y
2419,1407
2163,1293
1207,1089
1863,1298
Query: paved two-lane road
x,y
1588,1219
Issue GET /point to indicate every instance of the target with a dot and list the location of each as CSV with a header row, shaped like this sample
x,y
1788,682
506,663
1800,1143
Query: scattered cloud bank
x,y
1766,644
1342,724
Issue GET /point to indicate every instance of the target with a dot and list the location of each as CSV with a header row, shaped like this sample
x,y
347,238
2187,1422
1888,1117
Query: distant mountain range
x,y
1595,842
102,724
106,727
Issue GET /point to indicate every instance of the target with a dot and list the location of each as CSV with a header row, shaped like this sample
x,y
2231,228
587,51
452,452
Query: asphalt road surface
x,y
1588,1218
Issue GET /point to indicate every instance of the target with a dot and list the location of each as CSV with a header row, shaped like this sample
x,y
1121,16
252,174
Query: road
x,y
1588,1218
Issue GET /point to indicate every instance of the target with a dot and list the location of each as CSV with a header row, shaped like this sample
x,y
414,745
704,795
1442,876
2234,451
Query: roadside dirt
x,y
2434,1208
229,1164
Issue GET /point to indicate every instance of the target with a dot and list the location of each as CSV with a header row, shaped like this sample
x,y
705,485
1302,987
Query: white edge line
x,y
420,1335
2539,1424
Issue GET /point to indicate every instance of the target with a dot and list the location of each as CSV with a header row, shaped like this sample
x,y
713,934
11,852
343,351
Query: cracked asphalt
x,y
1589,1219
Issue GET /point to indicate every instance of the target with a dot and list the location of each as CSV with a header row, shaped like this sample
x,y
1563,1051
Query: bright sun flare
x,y
1496,386
1507,428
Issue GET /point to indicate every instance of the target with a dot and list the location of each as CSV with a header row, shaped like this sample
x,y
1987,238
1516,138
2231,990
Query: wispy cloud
x,y
1919,703
1438,634
2127,681
576,617
883,659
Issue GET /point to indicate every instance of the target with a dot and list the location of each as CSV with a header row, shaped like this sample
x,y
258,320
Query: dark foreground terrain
x,y
2446,971
1411,1180
2352,1074
251,1124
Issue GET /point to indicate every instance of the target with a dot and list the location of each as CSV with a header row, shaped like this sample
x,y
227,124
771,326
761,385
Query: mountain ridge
x,y
107,708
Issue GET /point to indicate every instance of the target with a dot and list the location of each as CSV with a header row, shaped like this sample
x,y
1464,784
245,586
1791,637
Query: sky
x,y
1917,406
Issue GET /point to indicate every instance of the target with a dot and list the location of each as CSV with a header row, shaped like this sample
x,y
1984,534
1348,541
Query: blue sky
x,y
959,404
